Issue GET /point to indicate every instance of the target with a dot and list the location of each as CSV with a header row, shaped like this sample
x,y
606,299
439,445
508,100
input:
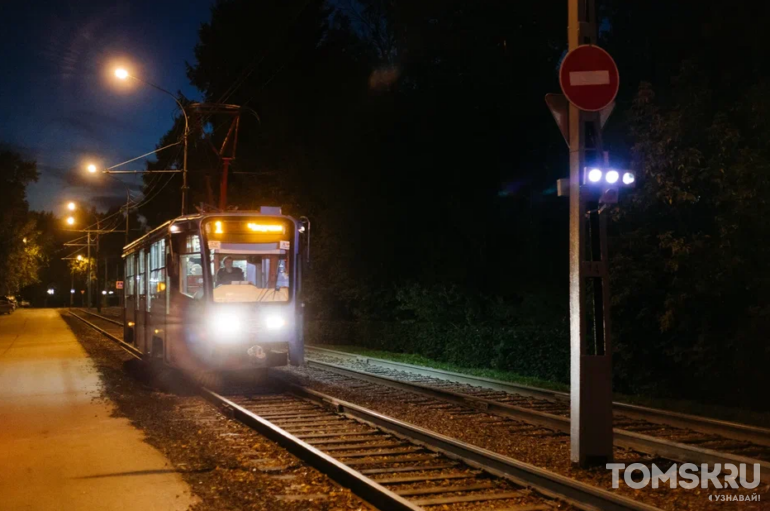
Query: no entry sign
x,y
589,78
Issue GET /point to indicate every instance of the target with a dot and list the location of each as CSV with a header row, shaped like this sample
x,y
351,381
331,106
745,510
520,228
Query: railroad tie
x,y
347,440
412,468
466,498
443,489
425,477
349,446
346,432
362,454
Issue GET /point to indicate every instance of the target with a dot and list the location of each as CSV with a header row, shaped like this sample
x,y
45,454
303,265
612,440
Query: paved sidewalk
x,y
59,447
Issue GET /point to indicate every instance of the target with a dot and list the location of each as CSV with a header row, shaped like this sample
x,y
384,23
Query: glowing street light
x,y
70,220
71,206
80,257
612,176
91,168
121,73
628,178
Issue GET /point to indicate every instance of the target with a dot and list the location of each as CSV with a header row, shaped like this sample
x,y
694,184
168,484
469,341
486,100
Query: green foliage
x,y
690,270
20,242
448,326
80,266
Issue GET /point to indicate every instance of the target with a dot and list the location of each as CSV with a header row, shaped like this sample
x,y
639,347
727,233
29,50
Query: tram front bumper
x,y
249,354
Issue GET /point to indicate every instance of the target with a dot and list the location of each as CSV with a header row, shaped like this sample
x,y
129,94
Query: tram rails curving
x,y
395,465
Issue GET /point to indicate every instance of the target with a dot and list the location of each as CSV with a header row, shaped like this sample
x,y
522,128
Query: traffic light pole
x,y
590,362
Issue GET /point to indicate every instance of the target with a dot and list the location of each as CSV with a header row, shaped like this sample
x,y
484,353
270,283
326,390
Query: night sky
x,y
60,103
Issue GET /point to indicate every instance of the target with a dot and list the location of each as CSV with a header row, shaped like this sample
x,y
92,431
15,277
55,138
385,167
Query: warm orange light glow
x,y
71,220
71,206
131,323
265,227
161,287
91,168
218,227
121,73
80,257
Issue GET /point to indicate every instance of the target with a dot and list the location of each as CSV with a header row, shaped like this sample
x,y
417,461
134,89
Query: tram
x,y
218,292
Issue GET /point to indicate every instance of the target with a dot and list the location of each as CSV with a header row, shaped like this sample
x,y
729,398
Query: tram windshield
x,y
246,266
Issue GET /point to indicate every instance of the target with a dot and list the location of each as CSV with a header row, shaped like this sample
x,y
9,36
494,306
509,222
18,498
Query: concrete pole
x,y
88,277
98,291
590,369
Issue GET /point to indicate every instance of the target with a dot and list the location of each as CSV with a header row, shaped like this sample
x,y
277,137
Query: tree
x,y
691,280
20,251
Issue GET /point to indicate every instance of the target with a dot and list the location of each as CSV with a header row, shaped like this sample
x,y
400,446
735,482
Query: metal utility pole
x,y
98,300
128,211
226,153
591,363
123,74
88,234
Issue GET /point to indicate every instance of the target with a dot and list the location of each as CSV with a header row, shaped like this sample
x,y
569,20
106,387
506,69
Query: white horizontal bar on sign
x,y
577,78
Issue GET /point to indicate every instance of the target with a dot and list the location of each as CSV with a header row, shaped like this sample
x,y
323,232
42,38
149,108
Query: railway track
x,y
392,464
699,443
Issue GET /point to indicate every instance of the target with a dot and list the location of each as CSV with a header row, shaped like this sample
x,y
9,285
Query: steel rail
x,y
727,429
105,318
644,443
130,349
548,483
364,487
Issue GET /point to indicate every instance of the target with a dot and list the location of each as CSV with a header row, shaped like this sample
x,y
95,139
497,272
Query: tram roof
x,y
198,216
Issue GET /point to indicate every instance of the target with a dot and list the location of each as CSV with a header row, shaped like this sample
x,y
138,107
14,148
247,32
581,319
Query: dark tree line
x,y
415,137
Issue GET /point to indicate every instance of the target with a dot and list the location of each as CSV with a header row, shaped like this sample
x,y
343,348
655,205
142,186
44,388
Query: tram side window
x,y
191,271
140,288
157,282
130,272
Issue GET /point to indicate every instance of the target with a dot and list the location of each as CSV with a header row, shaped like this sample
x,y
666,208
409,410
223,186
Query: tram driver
x,y
229,274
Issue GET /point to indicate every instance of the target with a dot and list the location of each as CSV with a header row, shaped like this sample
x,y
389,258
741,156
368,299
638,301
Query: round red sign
x,y
589,78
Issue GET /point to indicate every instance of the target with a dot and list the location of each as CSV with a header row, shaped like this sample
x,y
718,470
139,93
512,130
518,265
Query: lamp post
x,y
123,74
92,169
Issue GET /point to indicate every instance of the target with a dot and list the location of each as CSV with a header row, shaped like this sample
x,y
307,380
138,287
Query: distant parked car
x,y
6,306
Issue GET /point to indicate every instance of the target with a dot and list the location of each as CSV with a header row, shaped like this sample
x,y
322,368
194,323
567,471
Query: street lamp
x,y
70,220
80,257
123,74
71,206
92,169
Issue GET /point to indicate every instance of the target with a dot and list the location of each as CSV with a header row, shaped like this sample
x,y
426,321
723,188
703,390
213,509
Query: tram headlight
x,y
274,322
225,326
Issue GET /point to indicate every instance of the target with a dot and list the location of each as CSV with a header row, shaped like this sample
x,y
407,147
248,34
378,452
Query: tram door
x,y
129,302
155,319
141,301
